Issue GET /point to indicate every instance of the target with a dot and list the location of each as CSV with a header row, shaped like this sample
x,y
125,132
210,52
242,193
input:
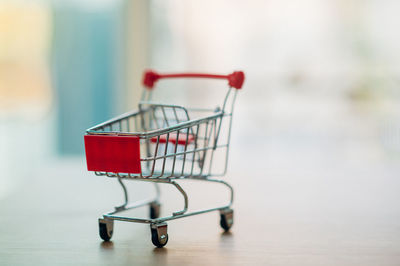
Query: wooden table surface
x,y
298,201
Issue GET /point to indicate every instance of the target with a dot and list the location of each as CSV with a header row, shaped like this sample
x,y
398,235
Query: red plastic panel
x,y
117,154
172,138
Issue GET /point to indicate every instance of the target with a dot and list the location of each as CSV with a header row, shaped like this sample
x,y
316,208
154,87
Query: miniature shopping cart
x,y
164,143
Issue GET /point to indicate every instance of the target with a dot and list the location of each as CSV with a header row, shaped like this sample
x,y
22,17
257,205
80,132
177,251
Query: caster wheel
x,y
226,221
159,235
155,210
106,228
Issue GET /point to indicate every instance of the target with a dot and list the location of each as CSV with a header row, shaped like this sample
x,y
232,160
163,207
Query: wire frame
x,y
172,145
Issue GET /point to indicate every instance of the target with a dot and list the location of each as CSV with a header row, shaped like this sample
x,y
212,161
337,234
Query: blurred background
x,y
320,108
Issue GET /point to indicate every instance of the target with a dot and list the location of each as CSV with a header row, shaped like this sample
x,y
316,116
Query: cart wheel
x,y
226,221
159,235
106,228
155,210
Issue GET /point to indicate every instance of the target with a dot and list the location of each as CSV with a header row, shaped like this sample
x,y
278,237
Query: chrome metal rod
x,y
163,219
125,191
221,182
175,215
185,197
133,205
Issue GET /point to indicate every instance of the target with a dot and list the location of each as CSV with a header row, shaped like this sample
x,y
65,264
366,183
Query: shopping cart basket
x,y
164,143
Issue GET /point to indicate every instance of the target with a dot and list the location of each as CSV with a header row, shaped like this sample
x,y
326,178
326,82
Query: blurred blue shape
x,y
84,57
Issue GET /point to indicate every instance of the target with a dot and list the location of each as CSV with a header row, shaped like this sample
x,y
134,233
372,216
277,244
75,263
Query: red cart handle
x,y
235,79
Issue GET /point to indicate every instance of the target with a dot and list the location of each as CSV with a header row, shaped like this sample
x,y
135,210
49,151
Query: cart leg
x,y
126,198
154,207
159,234
106,228
226,221
185,197
154,210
